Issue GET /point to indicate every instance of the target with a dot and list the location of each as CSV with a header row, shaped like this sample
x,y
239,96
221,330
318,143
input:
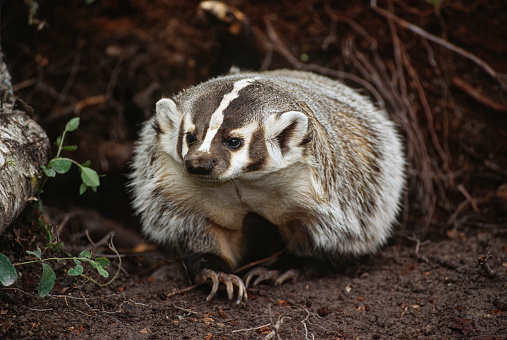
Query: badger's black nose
x,y
199,164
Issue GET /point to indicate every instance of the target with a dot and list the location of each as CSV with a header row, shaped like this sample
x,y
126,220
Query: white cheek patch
x,y
240,158
218,116
275,126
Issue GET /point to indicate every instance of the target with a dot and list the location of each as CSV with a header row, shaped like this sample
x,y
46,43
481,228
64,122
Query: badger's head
x,y
232,128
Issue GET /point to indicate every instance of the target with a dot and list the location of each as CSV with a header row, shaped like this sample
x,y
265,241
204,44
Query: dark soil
x,y
442,276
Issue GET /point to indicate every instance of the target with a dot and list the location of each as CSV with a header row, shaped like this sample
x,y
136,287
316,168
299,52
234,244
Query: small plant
x,y
9,275
90,179
61,165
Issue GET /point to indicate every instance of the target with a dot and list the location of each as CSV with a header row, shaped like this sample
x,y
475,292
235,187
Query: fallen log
x,y
24,147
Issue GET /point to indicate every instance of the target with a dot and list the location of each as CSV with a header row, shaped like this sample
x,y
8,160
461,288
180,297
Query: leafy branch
x,y
61,165
9,275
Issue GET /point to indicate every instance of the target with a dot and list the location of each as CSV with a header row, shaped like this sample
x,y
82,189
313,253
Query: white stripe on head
x,y
218,116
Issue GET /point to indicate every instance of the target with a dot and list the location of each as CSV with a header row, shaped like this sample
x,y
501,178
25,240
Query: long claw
x,y
289,274
210,274
224,278
264,274
242,295
267,275
254,272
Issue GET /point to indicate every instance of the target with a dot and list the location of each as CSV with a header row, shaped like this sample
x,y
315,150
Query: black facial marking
x,y
179,146
257,152
307,139
284,137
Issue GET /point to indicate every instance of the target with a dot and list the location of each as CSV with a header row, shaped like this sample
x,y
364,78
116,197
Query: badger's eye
x,y
191,139
234,143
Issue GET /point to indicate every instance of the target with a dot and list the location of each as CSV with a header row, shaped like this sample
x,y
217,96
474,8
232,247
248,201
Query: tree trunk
x,y
24,147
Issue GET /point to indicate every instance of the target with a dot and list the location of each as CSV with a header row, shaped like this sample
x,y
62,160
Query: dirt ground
x,y
438,67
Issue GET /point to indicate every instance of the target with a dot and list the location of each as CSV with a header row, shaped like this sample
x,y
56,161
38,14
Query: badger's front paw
x,y
206,268
229,280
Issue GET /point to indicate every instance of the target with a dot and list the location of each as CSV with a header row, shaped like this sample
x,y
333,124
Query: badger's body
x,y
306,153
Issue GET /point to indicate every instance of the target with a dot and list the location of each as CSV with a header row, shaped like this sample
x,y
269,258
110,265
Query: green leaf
x,y
77,270
99,268
48,172
36,253
47,280
89,177
58,140
86,253
60,165
86,164
103,262
70,147
82,188
72,125
8,274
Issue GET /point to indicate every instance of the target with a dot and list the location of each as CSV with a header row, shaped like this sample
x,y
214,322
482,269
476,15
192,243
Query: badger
x,y
310,156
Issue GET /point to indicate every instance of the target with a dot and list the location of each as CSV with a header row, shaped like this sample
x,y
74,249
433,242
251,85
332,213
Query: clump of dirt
x,y
439,70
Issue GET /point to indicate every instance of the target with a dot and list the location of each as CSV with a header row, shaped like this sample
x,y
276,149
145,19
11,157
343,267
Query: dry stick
x,y
458,210
402,60
469,198
280,47
411,125
358,28
255,263
181,291
475,94
250,329
502,79
72,77
426,107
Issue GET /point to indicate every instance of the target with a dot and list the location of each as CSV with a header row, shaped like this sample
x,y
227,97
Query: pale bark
x,y
24,147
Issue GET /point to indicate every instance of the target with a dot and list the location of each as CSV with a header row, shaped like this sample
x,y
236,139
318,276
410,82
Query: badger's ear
x,y
286,131
168,115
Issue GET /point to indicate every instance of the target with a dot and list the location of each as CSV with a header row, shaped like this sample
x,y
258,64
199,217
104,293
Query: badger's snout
x,y
199,163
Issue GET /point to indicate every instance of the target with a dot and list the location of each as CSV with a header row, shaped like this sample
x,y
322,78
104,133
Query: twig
x,y
402,56
502,79
181,291
418,245
41,310
264,260
185,310
94,245
475,94
456,212
72,77
250,329
358,28
469,198
280,47
484,266
304,324
275,326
